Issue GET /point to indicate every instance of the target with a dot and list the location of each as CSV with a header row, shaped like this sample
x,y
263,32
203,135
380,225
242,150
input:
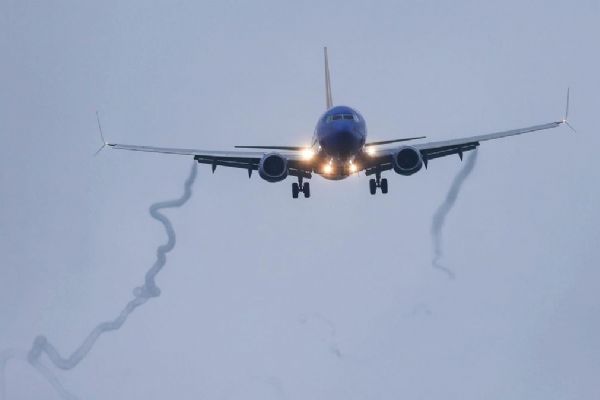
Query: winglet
x,y
565,120
104,142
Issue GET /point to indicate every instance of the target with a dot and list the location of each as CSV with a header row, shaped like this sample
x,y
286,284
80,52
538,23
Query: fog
x,y
266,297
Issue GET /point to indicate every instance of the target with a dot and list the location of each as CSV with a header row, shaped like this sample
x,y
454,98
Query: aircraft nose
x,y
342,143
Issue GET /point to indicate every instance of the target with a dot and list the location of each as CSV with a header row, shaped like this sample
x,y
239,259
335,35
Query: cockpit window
x,y
337,117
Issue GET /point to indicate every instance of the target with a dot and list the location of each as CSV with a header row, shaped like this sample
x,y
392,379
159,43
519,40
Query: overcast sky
x,y
265,297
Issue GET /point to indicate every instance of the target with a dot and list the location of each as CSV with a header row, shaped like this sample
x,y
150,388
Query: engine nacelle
x,y
273,167
407,161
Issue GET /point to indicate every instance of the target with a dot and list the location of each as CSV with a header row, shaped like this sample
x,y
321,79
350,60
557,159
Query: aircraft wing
x,y
382,159
248,160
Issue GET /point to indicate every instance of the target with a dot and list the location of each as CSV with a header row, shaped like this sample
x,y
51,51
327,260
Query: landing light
x,y
353,167
328,168
308,154
370,151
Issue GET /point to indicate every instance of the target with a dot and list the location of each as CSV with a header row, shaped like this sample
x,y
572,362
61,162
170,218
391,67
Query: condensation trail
x,y
333,347
53,380
440,214
5,357
141,294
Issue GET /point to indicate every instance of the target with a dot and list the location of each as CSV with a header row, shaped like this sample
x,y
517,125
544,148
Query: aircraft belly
x,y
330,177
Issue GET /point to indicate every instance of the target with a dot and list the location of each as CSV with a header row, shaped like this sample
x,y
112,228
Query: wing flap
x,y
430,154
250,164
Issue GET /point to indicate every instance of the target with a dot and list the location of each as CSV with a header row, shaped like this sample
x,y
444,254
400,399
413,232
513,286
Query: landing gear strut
x,y
300,187
378,183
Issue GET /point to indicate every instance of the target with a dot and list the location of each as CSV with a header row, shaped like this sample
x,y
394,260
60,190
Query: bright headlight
x,y
308,154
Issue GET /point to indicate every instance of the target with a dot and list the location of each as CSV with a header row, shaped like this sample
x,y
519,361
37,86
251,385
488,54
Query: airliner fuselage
x,y
339,140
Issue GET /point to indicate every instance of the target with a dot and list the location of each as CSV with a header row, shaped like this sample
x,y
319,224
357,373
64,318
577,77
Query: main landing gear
x,y
300,187
378,183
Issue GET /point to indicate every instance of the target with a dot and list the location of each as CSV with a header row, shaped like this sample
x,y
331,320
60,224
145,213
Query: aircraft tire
x,y
295,190
306,190
372,186
384,186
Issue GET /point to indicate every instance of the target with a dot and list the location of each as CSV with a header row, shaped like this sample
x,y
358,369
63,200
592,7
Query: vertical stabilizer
x,y
327,82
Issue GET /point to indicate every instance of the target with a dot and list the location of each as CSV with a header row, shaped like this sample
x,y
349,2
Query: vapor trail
x,y
140,295
440,214
5,356
333,347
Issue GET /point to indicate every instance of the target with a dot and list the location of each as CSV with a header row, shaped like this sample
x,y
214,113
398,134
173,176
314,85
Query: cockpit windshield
x,y
337,117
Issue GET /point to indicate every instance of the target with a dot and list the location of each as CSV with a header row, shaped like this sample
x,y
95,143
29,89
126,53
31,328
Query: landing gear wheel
x,y
384,186
295,190
372,186
306,190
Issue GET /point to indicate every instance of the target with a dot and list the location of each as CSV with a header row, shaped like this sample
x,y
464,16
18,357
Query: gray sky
x,y
330,298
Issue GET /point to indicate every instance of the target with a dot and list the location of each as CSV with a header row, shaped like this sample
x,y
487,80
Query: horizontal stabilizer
x,y
292,148
394,141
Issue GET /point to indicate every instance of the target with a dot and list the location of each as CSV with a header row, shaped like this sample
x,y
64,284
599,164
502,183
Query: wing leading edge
x,y
433,150
248,160
381,160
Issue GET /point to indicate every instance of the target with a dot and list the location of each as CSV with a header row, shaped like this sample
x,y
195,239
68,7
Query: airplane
x,y
338,149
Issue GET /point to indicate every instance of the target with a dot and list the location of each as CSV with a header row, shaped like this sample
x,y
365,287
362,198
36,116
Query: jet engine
x,y
407,161
273,167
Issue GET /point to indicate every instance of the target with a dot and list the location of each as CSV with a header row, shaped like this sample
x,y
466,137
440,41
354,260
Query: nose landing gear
x,y
300,187
378,183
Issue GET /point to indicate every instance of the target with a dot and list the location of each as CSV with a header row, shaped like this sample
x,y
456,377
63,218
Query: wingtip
x,y
104,142
570,126
567,105
100,149
100,127
565,119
